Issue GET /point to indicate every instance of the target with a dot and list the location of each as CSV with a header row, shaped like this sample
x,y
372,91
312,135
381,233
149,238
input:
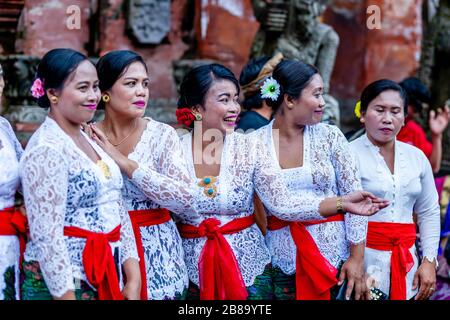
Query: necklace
x,y
104,167
209,188
120,142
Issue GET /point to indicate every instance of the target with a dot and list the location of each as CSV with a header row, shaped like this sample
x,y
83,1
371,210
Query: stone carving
x,y
19,72
304,38
435,68
149,20
22,111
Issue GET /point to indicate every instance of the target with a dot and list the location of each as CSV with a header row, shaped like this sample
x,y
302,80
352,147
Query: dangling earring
x,y
106,98
198,117
54,99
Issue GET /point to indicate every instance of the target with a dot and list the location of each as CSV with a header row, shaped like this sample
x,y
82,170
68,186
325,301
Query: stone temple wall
x,y
186,33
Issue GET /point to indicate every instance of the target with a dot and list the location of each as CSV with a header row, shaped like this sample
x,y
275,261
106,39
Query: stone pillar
x,y
46,24
225,30
366,55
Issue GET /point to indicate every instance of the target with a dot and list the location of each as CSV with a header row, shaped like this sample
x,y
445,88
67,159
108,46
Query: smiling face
x,y
221,107
129,94
384,117
308,108
79,96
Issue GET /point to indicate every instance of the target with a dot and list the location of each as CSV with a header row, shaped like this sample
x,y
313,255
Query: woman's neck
x,y
72,129
288,128
117,125
385,147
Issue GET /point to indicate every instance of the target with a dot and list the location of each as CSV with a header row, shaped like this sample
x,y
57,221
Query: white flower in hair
x,y
270,89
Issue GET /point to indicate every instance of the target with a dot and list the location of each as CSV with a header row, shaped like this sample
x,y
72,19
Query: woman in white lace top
x,y
12,222
124,84
81,235
226,255
315,161
402,174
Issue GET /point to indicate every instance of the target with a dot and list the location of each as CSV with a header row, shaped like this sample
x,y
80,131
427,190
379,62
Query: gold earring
x,y
198,117
106,98
54,99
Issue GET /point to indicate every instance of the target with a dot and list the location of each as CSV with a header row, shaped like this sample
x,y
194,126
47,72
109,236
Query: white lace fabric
x,y
63,187
159,149
10,153
328,170
411,189
245,167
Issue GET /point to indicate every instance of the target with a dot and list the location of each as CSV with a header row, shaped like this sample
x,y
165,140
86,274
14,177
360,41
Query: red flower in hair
x,y
185,116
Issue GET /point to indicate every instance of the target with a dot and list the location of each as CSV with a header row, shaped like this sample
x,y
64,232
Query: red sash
x,y
314,274
14,223
98,261
145,218
219,273
398,238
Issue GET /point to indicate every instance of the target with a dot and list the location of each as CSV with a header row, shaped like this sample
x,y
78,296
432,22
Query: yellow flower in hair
x,y
358,109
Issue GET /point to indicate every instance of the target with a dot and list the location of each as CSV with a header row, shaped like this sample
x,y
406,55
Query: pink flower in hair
x,y
37,89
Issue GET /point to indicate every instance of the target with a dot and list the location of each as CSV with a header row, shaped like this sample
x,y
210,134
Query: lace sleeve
x,y
45,182
172,163
348,180
274,193
9,130
427,209
128,250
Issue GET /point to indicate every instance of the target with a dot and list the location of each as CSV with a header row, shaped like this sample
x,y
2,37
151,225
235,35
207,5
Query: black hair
x,y
248,74
417,93
197,82
375,88
54,68
292,76
112,66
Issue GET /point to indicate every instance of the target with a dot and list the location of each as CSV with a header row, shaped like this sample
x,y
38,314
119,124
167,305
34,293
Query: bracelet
x,y
339,205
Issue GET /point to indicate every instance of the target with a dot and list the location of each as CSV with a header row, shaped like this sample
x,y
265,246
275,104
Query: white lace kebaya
x,y
410,189
159,148
63,187
245,167
328,170
10,153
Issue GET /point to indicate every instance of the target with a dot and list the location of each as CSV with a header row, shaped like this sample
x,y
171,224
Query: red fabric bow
x,y
185,116
14,223
315,276
398,238
145,218
98,261
219,273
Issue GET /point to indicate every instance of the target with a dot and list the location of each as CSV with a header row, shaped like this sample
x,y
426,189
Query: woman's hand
x,y
87,129
69,295
353,271
132,290
126,165
100,138
425,278
439,120
363,203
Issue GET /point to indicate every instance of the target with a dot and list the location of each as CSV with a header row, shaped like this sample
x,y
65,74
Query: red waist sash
x,y
219,273
398,238
98,261
314,274
145,218
14,223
